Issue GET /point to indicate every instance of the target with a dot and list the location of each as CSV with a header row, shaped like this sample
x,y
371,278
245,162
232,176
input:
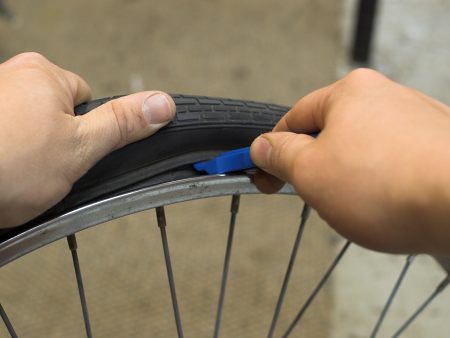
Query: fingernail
x,y
263,151
157,109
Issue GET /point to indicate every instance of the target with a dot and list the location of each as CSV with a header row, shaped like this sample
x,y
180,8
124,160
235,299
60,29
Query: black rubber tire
x,y
203,127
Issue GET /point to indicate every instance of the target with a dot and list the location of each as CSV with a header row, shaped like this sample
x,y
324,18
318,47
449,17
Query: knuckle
x,y
357,83
363,75
29,64
30,59
117,110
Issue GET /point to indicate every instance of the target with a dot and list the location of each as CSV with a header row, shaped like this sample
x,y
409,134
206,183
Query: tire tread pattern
x,y
192,110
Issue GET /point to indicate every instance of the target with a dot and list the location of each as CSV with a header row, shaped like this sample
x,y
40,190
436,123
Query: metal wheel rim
x,y
126,204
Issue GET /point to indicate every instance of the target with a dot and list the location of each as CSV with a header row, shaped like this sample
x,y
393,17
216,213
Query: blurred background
x,y
261,50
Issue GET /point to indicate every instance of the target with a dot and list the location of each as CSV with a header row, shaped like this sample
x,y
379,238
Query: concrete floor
x,y
244,49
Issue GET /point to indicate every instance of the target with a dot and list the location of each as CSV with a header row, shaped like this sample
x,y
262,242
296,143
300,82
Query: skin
x,y
44,148
379,171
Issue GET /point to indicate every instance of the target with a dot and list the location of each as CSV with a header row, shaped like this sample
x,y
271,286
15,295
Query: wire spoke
x,y
397,284
304,217
161,218
319,286
442,285
7,322
72,241
226,265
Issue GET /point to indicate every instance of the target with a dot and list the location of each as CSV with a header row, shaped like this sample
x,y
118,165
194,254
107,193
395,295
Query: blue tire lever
x,y
234,160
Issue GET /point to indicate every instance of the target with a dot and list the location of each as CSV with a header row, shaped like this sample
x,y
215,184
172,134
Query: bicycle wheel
x,y
156,172
203,127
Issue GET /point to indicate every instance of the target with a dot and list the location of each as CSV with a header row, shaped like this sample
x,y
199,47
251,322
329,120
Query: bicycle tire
x,y
203,126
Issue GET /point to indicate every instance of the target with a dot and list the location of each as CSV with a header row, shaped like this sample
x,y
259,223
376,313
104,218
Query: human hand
x,y
379,171
44,148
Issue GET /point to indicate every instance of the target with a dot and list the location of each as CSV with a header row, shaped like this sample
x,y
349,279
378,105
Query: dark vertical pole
x,y
5,12
364,28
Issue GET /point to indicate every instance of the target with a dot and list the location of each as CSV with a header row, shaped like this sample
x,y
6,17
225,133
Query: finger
x,y
308,114
122,121
80,90
267,183
278,153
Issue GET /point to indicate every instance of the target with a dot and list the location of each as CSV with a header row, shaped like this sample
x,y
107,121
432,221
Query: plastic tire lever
x,y
234,160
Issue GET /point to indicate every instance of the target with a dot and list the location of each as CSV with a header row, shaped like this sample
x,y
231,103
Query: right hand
x,y
379,171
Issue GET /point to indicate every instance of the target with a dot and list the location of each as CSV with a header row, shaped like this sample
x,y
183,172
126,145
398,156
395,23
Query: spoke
x,y
161,218
7,322
72,241
422,307
408,262
316,290
226,265
304,217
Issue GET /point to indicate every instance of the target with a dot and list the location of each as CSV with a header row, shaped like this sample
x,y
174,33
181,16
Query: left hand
x,y
44,148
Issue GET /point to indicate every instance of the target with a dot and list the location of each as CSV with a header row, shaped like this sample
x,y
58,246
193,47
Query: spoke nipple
x,y
410,258
306,211
161,216
235,204
72,241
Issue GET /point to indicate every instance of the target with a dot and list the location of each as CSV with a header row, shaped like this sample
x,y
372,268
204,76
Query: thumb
x,y
122,121
280,153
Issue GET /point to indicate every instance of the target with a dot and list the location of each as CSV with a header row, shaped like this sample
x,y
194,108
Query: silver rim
x,y
123,205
